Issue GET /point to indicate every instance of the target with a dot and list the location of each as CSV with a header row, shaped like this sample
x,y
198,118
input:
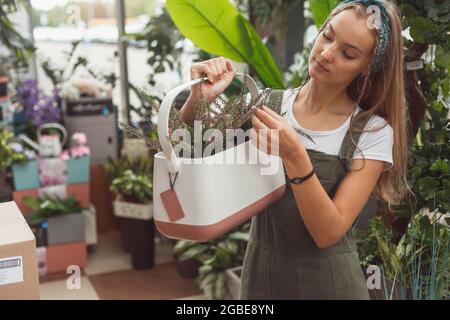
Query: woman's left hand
x,y
273,134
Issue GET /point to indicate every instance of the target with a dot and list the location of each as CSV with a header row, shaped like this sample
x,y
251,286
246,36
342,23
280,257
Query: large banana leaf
x,y
320,10
217,27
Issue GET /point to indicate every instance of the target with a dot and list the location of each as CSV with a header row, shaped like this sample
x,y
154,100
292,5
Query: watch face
x,y
296,180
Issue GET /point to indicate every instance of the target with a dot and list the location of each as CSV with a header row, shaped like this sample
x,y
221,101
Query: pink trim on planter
x,y
205,233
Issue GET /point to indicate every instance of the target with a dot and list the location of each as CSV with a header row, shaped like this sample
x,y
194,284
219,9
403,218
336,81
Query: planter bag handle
x,y
173,163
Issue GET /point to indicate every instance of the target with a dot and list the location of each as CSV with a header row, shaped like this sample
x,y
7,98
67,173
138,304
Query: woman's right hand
x,y
220,73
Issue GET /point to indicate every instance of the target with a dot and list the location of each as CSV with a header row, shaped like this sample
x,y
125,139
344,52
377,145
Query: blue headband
x,y
383,32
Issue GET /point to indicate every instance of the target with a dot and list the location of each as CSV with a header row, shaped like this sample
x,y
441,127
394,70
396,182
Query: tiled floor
x,y
109,275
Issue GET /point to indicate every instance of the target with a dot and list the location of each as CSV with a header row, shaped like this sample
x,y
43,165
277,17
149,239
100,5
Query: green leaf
x,y
32,202
320,10
423,30
416,171
182,246
440,166
220,29
193,252
427,184
207,280
443,199
421,161
442,58
439,11
239,236
219,287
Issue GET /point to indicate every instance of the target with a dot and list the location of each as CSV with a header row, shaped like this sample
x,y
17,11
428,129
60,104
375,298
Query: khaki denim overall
x,y
283,262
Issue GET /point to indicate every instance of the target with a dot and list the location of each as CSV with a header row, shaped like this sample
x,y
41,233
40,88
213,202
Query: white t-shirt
x,y
375,145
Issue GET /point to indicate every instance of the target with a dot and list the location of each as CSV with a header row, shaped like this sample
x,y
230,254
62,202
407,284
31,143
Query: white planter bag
x,y
200,199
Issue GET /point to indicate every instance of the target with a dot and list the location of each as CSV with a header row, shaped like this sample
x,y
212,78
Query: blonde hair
x,y
383,94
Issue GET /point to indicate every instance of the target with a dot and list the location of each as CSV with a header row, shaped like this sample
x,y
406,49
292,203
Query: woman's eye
x,y
325,36
348,56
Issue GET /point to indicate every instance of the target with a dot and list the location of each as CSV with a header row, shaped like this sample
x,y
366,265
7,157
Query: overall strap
x,y
348,147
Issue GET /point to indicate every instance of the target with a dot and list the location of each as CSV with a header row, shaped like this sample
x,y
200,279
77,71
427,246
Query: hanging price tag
x,y
172,204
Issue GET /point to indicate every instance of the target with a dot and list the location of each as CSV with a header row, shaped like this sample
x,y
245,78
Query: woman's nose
x,y
327,54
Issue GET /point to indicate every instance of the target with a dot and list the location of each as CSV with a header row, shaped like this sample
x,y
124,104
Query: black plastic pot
x,y
125,233
188,268
141,239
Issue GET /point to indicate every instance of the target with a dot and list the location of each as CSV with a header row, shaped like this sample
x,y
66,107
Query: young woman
x,y
353,107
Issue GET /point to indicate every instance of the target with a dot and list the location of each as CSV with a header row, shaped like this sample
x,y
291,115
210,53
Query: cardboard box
x,y
18,263
61,256
40,234
18,198
42,260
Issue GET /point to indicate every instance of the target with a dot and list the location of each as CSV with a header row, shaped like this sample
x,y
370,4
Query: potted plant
x,y
62,219
222,114
415,267
216,258
133,188
185,256
134,195
115,169
367,242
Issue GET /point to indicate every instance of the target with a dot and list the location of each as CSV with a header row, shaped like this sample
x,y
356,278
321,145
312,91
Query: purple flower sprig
x,y
38,108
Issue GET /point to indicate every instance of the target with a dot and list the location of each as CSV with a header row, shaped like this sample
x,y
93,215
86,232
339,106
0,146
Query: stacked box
x,y
18,264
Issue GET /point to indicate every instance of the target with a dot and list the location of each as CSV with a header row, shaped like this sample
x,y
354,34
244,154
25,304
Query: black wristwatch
x,y
298,180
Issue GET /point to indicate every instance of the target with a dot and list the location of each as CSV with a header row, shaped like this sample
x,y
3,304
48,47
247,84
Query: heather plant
x,y
222,114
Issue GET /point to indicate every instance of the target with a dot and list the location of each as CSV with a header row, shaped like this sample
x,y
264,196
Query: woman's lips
x,y
321,66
